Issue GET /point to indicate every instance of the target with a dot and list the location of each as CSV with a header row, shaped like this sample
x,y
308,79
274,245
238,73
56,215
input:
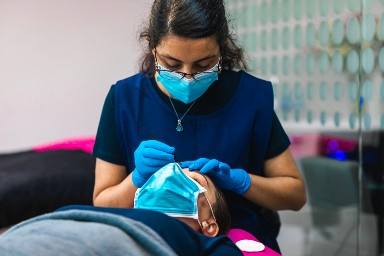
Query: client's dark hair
x,y
220,209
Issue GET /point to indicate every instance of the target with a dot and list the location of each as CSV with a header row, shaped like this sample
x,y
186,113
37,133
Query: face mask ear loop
x,y
210,207
198,221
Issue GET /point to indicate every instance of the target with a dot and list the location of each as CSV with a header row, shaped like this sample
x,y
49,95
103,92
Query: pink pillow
x,y
237,235
85,144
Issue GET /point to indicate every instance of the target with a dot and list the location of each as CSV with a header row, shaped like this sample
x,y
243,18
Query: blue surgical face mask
x,y
170,191
185,89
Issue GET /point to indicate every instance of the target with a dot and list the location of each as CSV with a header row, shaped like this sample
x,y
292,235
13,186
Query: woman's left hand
x,y
235,180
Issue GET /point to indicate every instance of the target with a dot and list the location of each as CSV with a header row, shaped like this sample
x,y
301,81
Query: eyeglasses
x,y
167,73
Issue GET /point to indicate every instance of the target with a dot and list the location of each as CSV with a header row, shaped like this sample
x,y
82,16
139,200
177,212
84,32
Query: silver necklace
x,y
179,127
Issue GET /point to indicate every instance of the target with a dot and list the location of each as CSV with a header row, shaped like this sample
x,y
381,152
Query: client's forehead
x,y
196,175
188,172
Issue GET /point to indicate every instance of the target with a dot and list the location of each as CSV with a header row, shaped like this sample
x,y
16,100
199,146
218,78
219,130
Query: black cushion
x,y
33,183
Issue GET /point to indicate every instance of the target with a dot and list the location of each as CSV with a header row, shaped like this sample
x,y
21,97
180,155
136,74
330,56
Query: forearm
x,y
276,193
120,195
282,188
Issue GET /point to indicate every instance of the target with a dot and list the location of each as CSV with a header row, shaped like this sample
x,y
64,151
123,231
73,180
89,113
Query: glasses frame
x,y
157,69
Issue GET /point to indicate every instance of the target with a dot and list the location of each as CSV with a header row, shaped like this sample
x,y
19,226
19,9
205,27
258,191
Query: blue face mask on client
x,y
170,191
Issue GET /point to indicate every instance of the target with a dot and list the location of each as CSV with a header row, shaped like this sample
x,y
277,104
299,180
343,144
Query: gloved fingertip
x,y
185,164
223,166
192,167
170,157
212,163
169,150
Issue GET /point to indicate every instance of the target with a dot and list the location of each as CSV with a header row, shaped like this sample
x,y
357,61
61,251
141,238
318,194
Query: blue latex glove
x,y
235,180
150,156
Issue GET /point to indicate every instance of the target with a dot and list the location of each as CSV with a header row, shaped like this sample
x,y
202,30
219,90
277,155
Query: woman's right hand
x,y
150,156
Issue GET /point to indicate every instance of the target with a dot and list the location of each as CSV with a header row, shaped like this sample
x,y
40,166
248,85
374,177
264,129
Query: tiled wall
x,y
319,54
325,59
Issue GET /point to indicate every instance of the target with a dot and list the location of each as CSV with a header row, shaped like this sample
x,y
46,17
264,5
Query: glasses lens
x,y
169,74
205,74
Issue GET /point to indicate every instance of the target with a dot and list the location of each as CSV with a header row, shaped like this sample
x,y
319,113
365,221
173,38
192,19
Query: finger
x,y
186,164
198,164
159,146
210,166
224,167
159,163
157,154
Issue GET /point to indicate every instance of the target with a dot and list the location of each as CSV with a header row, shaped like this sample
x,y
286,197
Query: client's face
x,y
205,212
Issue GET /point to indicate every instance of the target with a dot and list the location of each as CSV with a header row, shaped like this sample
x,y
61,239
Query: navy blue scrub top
x,y
107,145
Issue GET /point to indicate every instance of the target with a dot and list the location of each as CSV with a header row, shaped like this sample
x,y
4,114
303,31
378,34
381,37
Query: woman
x,y
190,103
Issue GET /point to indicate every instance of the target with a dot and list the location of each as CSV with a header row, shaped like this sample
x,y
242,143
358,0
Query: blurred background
x,y
325,59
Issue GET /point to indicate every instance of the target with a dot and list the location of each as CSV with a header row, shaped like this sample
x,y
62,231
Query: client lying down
x,y
176,213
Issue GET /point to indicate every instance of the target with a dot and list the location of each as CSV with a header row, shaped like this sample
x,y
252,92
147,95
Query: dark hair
x,y
220,209
190,19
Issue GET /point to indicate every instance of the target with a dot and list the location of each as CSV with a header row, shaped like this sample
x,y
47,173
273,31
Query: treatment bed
x,y
35,183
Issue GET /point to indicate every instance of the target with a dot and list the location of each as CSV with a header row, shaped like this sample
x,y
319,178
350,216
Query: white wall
x,y
57,62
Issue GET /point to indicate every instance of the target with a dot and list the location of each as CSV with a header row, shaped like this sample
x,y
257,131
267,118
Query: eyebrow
x,y
167,56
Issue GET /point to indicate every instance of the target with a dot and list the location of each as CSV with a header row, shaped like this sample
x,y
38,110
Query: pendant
x,y
179,127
